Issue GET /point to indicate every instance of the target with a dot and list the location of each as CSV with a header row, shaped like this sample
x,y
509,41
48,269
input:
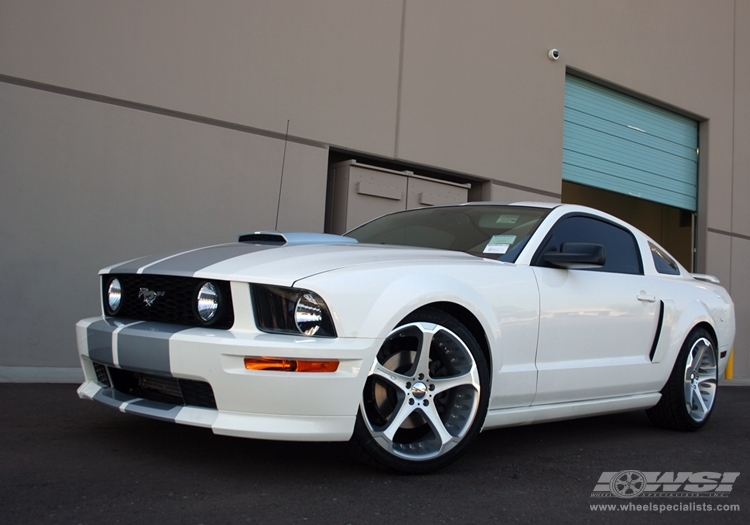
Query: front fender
x,y
371,303
503,298
407,294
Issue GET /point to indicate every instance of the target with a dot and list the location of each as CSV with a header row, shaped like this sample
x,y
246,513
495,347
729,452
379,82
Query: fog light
x,y
114,296
208,302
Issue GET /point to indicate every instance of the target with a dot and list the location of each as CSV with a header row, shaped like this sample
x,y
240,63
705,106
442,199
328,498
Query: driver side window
x,y
620,245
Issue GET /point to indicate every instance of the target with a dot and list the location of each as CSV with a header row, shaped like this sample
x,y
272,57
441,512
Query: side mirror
x,y
577,256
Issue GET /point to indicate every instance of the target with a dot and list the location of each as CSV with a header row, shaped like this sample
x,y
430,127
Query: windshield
x,y
489,231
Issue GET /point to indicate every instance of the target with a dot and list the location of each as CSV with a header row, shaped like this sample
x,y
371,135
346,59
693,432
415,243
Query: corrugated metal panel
x,y
622,144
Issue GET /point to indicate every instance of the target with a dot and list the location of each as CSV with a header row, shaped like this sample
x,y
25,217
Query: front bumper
x,y
255,404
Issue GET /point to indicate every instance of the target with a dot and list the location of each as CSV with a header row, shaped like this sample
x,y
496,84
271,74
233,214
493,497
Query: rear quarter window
x,y
663,262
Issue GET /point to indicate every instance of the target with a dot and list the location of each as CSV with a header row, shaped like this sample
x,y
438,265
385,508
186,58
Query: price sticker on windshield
x,y
507,219
499,244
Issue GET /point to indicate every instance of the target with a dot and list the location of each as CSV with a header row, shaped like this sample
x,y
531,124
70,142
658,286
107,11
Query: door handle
x,y
646,298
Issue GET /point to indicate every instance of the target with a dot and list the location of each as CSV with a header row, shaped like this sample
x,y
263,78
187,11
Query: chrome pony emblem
x,y
149,296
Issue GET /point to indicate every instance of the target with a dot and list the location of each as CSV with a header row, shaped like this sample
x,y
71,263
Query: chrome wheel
x,y
700,379
689,396
424,395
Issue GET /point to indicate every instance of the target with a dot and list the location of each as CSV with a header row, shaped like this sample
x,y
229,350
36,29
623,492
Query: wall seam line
x,y
156,110
729,234
400,79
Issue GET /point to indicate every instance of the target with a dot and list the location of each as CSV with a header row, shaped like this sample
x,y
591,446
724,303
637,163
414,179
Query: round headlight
x,y
308,314
114,296
208,302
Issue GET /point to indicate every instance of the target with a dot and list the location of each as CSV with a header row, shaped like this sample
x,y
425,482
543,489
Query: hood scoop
x,y
294,238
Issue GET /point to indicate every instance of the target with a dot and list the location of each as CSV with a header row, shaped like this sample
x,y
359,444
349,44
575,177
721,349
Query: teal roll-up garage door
x,y
619,143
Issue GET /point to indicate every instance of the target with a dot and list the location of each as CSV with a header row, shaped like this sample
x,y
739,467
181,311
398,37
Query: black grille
x,y
101,374
197,393
174,299
163,389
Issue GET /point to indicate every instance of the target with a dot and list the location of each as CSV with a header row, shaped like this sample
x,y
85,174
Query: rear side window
x,y
620,245
663,262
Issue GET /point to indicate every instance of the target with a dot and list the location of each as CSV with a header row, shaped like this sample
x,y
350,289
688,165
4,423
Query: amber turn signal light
x,y
271,364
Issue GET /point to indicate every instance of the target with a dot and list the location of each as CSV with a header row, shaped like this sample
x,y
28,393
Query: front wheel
x,y
426,395
687,399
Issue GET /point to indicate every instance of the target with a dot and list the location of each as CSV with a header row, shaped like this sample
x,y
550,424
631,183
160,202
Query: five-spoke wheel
x,y
700,380
688,397
426,396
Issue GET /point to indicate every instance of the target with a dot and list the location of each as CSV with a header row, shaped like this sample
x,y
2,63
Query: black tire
x,y
688,398
419,412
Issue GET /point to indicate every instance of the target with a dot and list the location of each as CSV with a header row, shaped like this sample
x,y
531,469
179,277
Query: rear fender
x,y
677,327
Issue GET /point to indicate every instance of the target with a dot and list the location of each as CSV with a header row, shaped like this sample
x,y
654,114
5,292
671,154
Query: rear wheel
x,y
426,396
687,399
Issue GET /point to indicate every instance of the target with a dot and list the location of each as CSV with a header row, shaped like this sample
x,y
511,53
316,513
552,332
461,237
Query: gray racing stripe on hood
x,y
188,264
136,264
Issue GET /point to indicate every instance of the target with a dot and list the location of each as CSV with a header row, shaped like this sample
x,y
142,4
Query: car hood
x,y
280,265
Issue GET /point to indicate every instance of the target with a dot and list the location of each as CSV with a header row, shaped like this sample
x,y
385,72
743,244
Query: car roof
x,y
534,204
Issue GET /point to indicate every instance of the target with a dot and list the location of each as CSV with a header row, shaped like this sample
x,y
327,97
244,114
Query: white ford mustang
x,y
413,332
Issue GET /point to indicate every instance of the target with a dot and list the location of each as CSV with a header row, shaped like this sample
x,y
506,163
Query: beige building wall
x,y
740,203
329,67
87,184
132,127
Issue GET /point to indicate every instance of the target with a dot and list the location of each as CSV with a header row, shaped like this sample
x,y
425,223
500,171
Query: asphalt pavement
x,y
68,461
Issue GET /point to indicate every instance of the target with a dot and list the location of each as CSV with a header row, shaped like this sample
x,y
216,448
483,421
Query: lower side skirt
x,y
560,411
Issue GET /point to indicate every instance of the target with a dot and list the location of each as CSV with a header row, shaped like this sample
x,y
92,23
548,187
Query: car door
x,y
597,325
